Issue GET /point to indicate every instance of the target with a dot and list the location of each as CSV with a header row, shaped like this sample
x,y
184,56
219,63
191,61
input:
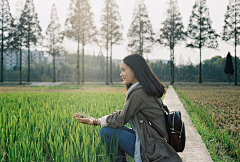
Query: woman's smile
x,y
127,74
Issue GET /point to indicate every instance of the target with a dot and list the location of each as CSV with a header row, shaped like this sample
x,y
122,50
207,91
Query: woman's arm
x,y
88,120
133,104
119,118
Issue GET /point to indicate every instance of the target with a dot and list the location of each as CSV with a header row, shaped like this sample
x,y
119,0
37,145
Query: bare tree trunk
x,y
82,63
141,32
2,62
78,66
172,65
20,67
28,79
235,35
107,69
111,81
200,47
2,53
235,60
172,45
107,45
54,68
200,67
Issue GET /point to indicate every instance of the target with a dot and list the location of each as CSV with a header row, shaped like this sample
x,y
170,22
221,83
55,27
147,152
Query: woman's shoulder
x,y
138,90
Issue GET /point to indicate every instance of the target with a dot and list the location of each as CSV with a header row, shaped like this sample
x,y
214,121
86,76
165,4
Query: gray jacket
x,y
153,147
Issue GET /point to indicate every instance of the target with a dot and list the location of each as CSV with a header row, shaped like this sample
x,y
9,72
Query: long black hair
x,y
149,81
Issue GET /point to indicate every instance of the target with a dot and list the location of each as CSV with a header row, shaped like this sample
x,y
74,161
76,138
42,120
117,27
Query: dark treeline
x,y
213,71
66,72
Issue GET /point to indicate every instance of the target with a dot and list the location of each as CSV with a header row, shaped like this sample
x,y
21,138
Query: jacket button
x,y
140,121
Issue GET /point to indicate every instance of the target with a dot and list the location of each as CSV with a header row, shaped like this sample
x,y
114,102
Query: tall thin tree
x,y
105,31
116,32
80,28
31,29
16,44
111,31
54,37
172,32
140,34
17,35
6,24
200,30
231,28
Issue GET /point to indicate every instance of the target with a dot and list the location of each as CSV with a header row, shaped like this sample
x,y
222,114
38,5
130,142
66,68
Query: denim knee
x,y
103,133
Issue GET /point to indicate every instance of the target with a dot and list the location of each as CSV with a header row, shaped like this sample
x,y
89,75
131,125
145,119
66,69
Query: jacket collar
x,y
134,85
133,89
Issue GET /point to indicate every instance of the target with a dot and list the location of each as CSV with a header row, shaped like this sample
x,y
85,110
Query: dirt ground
x,y
6,89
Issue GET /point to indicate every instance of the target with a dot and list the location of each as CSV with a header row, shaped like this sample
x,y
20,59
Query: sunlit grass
x,y
40,126
37,123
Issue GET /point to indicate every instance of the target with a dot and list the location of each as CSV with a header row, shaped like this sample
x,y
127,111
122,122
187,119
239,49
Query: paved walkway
x,y
195,149
46,83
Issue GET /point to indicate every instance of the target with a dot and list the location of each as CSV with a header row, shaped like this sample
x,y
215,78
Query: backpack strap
x,y
160,103
154,126
166,113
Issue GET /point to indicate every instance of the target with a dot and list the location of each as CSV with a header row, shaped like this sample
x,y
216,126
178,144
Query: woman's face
x,y
127,74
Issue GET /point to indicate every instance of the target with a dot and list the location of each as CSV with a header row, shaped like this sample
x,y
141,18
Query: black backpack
x,y
175,127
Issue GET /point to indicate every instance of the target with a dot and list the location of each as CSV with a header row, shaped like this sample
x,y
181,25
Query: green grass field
x,y
37,123
39,126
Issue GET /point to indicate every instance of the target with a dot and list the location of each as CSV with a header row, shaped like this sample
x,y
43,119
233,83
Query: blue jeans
x,y
126,139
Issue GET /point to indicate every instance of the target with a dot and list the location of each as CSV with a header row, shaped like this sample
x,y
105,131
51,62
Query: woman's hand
x,y
88,120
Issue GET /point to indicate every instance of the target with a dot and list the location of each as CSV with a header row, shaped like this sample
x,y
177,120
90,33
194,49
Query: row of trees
x,y
19,33
199,33
79,26
213,71
25,31
67,72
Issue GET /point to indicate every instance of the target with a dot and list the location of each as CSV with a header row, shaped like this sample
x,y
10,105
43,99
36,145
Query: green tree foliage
x,y
229,66
111,30
80,28
6,24
66,72
161,70
30,29
171,32
54,36
213,69
140,34
231,28
38,70
17,35
200,31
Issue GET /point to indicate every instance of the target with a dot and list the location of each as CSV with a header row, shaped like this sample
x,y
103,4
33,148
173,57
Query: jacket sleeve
x,y
132,105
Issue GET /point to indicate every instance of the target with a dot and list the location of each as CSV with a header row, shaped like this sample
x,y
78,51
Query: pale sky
x,y
156,11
